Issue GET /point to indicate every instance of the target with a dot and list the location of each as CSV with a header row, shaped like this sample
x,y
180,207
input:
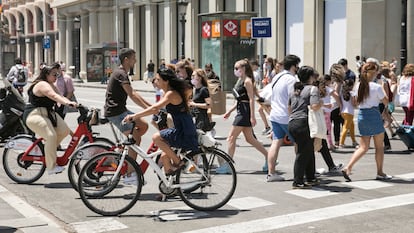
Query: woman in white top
x,y
370,124
347,112
404,89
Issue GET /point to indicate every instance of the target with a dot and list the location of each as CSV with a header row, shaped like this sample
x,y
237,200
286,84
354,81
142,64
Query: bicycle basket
x,y
94,116
205,139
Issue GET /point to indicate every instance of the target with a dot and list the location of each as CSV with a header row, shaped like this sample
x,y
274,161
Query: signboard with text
x,y
261,27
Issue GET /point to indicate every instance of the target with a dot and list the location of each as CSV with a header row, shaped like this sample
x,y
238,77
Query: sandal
x,y
346,176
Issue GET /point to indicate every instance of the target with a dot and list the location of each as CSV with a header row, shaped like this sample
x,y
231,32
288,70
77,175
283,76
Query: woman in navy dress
x,y
184,134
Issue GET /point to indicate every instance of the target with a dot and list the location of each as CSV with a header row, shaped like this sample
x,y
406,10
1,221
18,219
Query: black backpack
x,y
21,76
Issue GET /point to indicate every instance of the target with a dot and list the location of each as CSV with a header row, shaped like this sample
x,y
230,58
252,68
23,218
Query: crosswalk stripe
x,y
277,222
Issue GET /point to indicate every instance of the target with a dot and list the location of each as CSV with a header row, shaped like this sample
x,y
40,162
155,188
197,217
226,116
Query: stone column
x,y
62,51
69,42
84,40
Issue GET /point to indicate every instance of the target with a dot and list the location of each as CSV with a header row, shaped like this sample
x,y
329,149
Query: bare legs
x,y
248,135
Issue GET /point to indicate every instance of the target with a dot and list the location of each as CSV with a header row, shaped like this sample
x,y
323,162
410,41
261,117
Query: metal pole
x,y
1,51
183,35
117,28
261,47
403,51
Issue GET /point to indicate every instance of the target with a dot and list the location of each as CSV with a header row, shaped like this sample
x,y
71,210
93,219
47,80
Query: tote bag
x,y
317,125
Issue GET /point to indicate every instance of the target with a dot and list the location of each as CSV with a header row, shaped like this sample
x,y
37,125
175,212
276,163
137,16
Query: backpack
x,y
21,76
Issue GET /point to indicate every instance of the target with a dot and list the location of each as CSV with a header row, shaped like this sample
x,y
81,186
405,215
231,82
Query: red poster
x,y
206,29
231,27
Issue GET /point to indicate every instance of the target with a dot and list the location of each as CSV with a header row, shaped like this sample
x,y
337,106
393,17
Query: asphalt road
x,y
364,205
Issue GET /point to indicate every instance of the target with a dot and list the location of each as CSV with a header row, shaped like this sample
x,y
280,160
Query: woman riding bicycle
x,y
40,115
184,134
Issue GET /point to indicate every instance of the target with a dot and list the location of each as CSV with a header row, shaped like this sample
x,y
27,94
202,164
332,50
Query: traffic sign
x,y
261,27
46,42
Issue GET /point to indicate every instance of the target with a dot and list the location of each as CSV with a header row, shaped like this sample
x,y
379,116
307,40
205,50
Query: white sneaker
x,y
56,170
274,177
131,179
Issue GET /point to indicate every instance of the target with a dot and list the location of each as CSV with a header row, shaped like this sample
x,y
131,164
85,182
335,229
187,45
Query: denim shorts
x,y
370,122
117,121
280,130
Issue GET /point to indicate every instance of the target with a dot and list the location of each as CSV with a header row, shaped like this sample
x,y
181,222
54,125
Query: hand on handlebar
x,y
128,118
72,104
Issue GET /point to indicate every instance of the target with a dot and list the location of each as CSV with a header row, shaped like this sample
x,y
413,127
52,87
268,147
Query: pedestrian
x,y
282,88
305,94
329,98
117,91
245,118
337,73
208,68
150,70
201,100
64,84
368,96
347,113
406,94
349,74
18,75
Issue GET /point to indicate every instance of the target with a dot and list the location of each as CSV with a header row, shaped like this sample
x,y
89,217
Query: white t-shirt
x,y
280,96
376,94
327,99
404,91
347,106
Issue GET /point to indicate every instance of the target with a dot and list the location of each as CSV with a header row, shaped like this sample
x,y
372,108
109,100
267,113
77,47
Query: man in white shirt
x,y
279,115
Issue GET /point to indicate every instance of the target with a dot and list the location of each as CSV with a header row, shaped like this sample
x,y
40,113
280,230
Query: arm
x,y
335,95
45,89
250,92
154,109
135,97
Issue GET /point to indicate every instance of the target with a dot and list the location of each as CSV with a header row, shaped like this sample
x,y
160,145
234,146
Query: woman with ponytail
x,y
370,124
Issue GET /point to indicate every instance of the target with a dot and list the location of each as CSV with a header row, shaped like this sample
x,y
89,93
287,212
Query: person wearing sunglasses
x,y
245,118
40,115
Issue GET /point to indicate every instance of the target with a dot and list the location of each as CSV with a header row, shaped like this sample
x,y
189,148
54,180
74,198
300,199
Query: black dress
x,y
243,107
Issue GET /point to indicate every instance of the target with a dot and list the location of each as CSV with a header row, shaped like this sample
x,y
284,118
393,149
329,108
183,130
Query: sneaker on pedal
x,y
131,179
274,177
56,170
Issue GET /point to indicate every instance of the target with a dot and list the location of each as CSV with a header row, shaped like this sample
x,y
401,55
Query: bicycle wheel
x,y
22,172
202,187
109,195
79,158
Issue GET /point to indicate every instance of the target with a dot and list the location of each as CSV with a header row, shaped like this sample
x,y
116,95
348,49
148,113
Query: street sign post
x,y
261,27
46,42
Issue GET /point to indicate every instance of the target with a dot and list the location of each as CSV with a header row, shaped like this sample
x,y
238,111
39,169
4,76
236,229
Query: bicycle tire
x,y
109,198
22,172
207,190
79,158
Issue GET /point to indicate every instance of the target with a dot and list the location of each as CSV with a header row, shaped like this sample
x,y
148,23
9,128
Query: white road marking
x,y
178,214
407,177
247,203
368,184
25,209
293,219
311,193
97,226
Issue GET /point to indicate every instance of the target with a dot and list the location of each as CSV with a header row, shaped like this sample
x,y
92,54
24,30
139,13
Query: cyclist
x,y
118,90
40,115
184,134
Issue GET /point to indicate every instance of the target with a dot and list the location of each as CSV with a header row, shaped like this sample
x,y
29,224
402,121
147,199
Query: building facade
x,y
319,31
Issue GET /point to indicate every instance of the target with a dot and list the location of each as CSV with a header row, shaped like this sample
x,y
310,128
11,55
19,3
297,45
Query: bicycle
x,y
199,186
23,156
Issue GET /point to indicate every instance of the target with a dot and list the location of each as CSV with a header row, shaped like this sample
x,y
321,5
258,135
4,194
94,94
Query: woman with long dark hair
x,y
40,115
370,124
183,134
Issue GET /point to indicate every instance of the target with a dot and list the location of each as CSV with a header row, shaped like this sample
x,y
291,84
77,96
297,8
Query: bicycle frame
x,y
81,131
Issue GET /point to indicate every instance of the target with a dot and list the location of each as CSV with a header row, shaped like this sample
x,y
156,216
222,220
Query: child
x,y
347,113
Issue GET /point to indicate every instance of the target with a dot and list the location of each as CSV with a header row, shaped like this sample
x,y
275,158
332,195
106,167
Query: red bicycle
x,y
23,156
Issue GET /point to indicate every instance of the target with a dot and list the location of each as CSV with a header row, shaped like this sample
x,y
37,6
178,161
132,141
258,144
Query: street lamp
x,y
182,9
3,30
76,54
403,51
20,31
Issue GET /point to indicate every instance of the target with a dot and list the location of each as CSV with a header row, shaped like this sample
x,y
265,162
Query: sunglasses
x,y
55,74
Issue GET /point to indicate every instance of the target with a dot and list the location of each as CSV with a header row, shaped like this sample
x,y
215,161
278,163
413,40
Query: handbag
x,y
316,121
267,91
